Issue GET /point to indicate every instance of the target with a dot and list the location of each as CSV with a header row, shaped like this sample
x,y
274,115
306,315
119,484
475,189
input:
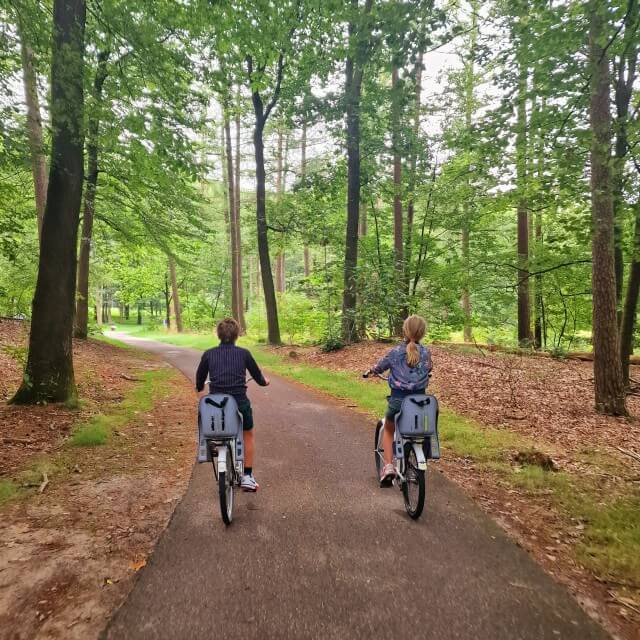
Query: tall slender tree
x,y
82,298
359,44
34,122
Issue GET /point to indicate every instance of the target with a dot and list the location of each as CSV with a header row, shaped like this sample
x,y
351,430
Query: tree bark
x,y
630,302
167,301
175,295
408,251
99,307
236,300
469,108
524,312
238,219
303,175
49,375
353,90
609,385
82,298
398,220
34,126
280,284
261,117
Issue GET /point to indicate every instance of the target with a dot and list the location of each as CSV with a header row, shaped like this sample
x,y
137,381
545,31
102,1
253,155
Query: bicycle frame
x,y
228,455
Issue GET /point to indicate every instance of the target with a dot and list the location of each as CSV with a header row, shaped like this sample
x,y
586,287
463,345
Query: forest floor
x,y
85,493
580,519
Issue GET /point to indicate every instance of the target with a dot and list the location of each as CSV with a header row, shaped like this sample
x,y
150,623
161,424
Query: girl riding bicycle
x,y
409,364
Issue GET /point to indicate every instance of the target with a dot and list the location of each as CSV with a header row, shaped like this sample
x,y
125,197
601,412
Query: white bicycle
x,y
415,441
221,443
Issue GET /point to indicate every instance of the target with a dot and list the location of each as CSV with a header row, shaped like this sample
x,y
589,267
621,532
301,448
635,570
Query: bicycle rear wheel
x,y
378,450
413,487
225,490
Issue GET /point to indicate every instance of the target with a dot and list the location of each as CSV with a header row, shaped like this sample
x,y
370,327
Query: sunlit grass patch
x,y
98,430
8,490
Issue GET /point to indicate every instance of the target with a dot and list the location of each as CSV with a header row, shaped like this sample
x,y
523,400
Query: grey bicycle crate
x,y
418,418
218,419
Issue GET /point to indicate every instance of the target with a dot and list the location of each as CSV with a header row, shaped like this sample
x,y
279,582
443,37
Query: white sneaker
x,y
248,483
387,475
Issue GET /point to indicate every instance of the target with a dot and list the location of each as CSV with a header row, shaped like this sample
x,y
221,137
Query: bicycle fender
x,y
222,460
422,462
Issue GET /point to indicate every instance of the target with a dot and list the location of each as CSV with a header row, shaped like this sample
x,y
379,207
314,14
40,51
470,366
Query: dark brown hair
x,y
228,330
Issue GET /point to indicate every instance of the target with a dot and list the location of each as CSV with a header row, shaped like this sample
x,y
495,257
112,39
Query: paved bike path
x,y
322,552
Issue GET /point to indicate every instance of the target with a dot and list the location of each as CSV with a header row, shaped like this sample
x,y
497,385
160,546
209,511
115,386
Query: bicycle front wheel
x,y
413,487
378,449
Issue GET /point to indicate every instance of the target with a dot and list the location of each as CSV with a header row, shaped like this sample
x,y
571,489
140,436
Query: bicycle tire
x,y
378,450
225,492
414,485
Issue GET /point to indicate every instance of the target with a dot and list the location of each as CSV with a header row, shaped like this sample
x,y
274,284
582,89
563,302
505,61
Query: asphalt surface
x,y
322,552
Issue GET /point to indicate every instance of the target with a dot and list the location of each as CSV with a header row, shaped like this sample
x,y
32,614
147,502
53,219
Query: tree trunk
x,y
34,126
626,74
82,297
398,220
99,307
236,301
524,312
353,91
177,311
238,221
139,320
167,301
408,250
469,108
362,222
631,302
49,373
279,191
609,385
303,175
263,240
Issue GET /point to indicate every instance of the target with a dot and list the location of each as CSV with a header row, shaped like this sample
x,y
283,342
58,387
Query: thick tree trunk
x,y
82,297
524,312
609,385
49,373
34,126
175,295
139,319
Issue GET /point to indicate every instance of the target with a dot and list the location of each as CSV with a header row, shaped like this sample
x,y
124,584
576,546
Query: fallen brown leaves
x,y
551,403
68,555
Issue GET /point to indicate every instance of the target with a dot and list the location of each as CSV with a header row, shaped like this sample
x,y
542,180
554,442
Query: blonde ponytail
x,y
413,329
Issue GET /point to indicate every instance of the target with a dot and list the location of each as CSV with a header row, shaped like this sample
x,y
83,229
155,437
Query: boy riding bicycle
x,y
409,364
226,366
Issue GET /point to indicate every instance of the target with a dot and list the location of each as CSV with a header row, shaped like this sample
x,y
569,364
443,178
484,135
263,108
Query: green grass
x,y
8,490
611,543
141,398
